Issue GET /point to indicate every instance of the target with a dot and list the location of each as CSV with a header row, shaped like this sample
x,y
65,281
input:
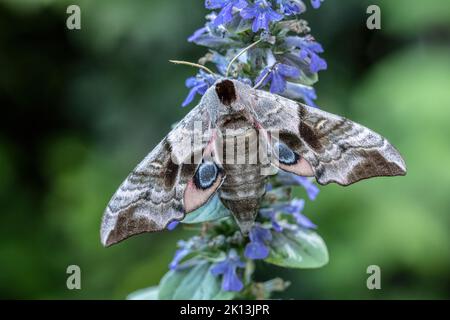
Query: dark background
x,y
79,109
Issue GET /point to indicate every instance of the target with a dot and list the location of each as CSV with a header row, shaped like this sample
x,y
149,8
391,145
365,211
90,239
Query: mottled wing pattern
x,y
337,149
152,195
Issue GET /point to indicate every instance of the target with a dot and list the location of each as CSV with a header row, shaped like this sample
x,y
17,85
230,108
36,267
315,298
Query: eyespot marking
x,y
206,175
285,154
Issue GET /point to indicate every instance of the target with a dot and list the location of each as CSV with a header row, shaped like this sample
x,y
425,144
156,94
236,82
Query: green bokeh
x,y
82,108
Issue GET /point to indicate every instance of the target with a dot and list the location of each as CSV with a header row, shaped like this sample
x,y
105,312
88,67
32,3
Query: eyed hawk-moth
x,y
179,176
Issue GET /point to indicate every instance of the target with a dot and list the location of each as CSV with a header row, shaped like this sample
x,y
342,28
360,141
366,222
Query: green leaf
x,y
299,248
150,293
193,283
212,210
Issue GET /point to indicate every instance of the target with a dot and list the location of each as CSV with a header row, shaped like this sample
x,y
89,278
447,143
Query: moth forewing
x,y
333,149
154,193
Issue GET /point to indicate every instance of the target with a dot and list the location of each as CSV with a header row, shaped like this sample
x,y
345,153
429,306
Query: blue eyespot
x,y
206,175
285,154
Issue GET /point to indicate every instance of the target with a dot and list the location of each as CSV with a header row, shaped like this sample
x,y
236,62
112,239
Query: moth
x,y
178,177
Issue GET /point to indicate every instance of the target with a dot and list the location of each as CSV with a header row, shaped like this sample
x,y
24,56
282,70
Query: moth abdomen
x,y
242,191
244,211
245,179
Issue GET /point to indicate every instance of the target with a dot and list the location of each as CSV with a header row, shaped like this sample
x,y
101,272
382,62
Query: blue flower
x,y
277,76
294,208
227,6
272,215
227,268
172,225
291,7
220,61
299,91
262,15
198,85
290,179
257,248
212,36
304,222
316,3
182,252
309,50
197,34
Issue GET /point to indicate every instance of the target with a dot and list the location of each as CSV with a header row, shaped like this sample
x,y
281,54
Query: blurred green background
x,y
79,109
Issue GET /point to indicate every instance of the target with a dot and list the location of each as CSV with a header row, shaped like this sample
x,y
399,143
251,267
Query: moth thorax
x,y
240,146
235,121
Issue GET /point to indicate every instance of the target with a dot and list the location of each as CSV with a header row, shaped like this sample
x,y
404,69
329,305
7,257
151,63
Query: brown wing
x,y
330,147
161,189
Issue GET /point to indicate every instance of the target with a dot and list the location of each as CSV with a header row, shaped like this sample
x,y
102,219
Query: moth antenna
x,y
260,82
193,65
239,54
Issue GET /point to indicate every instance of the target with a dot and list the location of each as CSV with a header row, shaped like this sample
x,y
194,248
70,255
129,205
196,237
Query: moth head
x,y
226,91
228,94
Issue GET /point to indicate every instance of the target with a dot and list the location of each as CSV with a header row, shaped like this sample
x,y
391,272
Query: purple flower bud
x,y
298,91
291,7
197,34
182,252
309,50
316,3
227,9
172,225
